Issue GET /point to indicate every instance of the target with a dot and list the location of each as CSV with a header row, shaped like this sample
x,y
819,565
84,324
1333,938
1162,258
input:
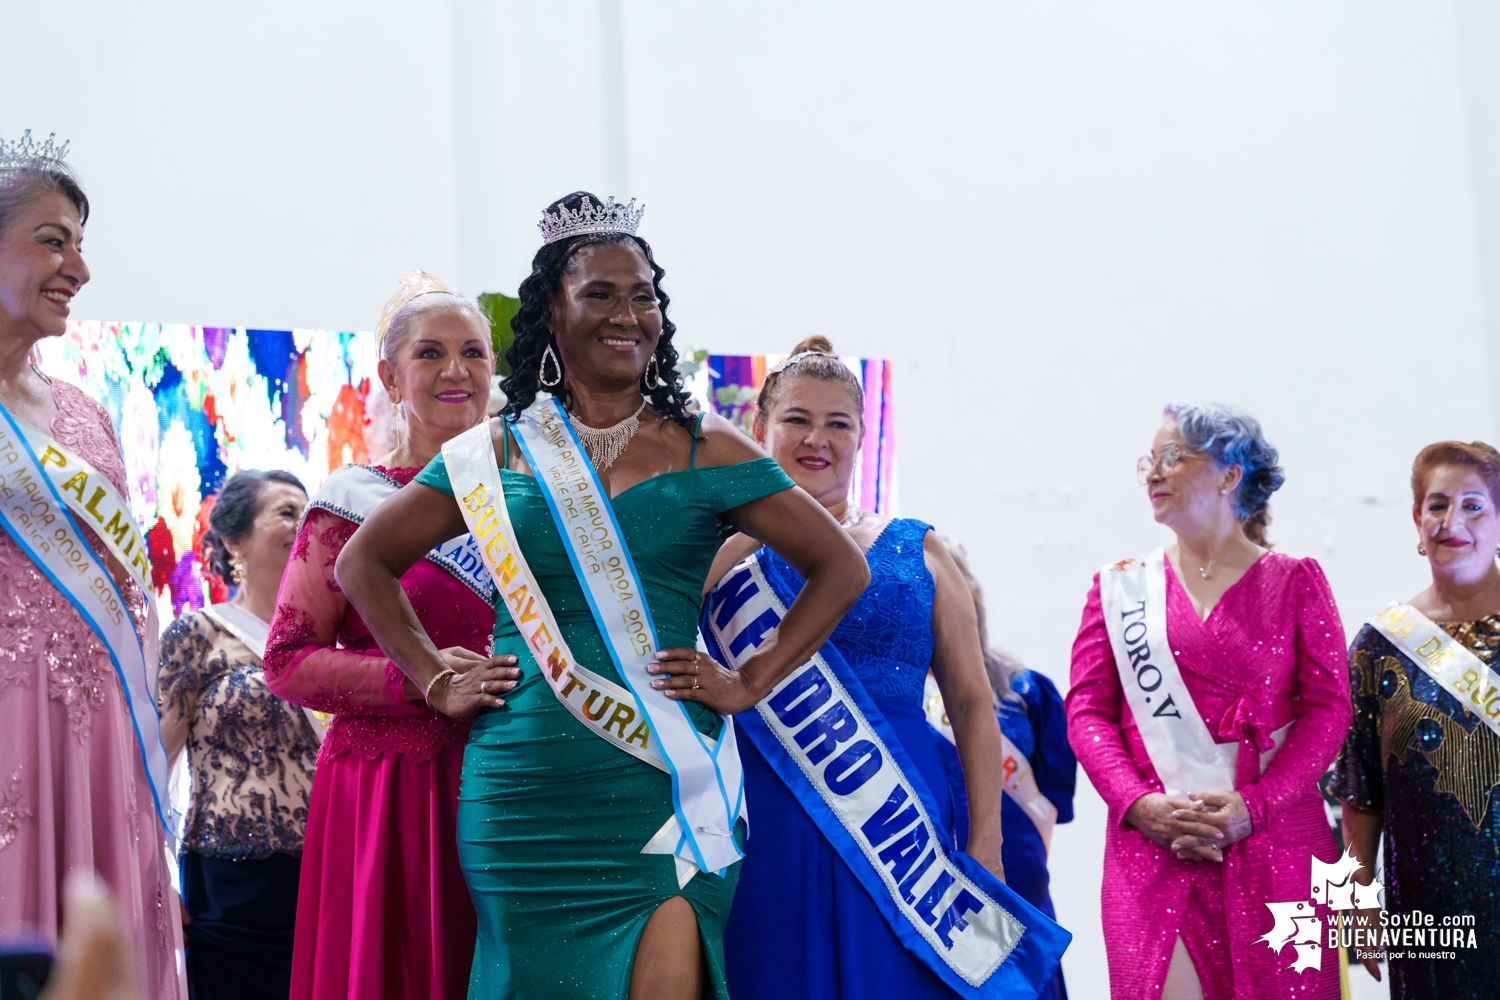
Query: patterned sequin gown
x,y
1432,769
73,787
1270,652
382,910
251,762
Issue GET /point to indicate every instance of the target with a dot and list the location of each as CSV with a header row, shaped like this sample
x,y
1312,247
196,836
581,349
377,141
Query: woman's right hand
x,y
1152,814
476,682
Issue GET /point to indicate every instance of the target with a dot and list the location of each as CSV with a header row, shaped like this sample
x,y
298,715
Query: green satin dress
x,y
551,818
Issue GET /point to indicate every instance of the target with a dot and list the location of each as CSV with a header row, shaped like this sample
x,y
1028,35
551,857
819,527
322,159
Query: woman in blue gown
x,y
801,924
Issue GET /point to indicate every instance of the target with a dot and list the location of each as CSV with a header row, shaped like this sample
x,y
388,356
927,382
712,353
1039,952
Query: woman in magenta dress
x,y
382,908
75,792
1259,668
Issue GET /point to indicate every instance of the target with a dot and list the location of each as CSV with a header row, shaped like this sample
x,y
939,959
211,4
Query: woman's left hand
x,y
691,675
1219,819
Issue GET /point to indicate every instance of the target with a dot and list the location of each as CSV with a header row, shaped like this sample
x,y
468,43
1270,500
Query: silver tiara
x,y
590,217
26,154
795,359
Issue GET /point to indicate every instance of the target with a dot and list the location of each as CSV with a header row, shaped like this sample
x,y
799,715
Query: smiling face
x,y
1457,522
814,431
1183,485
41,267
265,549
440,372
605,316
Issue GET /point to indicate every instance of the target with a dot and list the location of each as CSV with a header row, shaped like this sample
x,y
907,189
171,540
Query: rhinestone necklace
x,y
605,444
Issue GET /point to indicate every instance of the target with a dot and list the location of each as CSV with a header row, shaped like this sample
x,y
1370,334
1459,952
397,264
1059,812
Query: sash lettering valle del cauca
x,y
45,492
707,784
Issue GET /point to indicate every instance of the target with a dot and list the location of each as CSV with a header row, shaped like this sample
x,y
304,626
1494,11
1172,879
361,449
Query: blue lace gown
x,y
801,924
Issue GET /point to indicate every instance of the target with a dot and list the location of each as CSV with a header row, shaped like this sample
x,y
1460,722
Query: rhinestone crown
x,y
27,154
590,217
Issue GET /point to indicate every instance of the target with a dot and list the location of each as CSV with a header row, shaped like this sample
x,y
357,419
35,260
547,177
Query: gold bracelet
x,y
440,675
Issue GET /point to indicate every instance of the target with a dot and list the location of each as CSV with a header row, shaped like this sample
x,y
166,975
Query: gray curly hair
x,y
1234,438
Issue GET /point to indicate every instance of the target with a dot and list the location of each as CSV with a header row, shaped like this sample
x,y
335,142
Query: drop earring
x,y
652,377
542,369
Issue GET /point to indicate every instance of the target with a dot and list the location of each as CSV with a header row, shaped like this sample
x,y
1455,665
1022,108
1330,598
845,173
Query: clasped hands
x,y
1195,828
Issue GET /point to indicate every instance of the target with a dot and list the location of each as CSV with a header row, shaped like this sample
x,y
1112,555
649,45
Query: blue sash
x,y
825,738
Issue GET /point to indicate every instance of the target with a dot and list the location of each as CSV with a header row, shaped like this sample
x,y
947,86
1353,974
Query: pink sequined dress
x,y
382,908
1270,652
73,787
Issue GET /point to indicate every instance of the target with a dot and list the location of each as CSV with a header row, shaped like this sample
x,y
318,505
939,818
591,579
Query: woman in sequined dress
x,y
382,909
74,789
250,755
1418,768
802,924
1257,638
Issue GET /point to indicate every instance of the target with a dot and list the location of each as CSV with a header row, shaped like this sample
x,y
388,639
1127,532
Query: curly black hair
x,y
532,338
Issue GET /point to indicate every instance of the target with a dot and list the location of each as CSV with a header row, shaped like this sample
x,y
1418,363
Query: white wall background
x,y
1055,218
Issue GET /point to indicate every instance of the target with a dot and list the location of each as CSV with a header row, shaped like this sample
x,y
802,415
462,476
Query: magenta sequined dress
x,y
73,787
382,907
1270,652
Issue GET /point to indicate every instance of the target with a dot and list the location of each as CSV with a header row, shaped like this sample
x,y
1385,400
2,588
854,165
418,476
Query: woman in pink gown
x,y
382,907
74,790
1258,641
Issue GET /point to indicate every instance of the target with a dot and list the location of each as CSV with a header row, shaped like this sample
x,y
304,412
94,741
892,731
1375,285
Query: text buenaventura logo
x,y
1297,922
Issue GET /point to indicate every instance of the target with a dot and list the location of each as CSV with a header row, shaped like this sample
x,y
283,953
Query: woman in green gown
x,y
552,819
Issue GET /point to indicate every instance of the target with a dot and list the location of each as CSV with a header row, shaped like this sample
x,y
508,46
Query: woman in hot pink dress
x,y
1258,641
382,907
74,790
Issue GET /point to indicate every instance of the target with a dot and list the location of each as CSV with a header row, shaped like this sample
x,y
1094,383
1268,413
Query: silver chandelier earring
x,y
653,375
542,369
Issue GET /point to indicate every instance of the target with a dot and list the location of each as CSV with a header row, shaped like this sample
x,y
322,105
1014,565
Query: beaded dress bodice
x,y
887,636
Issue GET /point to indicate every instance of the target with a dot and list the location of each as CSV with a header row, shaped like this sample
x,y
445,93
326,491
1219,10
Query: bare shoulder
x,y
936,554
722,443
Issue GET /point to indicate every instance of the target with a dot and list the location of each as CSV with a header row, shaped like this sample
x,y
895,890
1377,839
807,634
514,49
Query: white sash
x,y
354,491
1015,770
1444,659
253,632
608,710
1183,751
36,497
707,784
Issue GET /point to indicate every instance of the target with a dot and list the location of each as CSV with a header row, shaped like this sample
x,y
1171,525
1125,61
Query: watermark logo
x,y
1297,922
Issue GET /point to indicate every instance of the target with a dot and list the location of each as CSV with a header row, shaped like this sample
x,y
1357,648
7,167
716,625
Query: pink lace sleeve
x,y
1321,709
304,661
1095,705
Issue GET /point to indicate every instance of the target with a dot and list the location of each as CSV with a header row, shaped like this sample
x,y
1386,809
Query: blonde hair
x,y
400,315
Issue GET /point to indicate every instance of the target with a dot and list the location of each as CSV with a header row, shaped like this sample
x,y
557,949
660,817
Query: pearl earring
x,y
1421,549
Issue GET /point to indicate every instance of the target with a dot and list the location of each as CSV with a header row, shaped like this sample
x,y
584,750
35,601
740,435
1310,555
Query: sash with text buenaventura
x,y
707,784
43,487
354,491
608,710
1133,593
828,742
1015,770
1444,659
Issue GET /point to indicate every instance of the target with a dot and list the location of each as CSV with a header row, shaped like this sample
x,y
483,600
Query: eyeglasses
x,y
1170,458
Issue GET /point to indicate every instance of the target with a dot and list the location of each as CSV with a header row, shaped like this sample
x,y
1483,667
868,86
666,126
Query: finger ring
x,y
484,687
695,682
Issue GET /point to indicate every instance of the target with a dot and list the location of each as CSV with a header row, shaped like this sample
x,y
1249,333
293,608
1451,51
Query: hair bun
x,y
817,342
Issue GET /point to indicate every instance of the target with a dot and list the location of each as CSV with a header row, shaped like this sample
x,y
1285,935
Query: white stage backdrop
x,y
1053,218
